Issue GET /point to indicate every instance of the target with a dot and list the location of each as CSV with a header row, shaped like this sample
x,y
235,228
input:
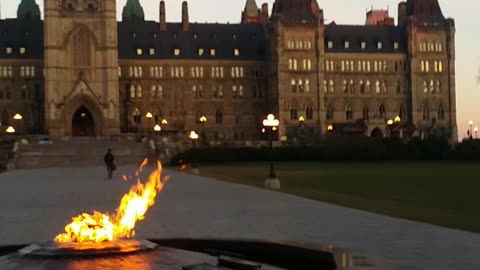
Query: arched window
x,y
219,116
234,91
300,86
382,112
304,64
378,90
329,112
133,92
309,64
82,54
195,91
137,118
348,113
345,87
307,85
293,112
293,85
425,87
290,64
159,91
332,86
365,113
154,91
367,87
384,87
403,112
362,87
152,72
139,92
438,87
352,87
294,64
425,112
240,91
432,87
398,88
325,86
157,114
309,112
440,112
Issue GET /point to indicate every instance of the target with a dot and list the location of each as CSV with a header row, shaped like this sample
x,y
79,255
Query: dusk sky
x,y
465,13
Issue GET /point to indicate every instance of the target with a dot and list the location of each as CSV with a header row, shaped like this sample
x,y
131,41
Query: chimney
x,y
402,13
265,10
185,22
163,17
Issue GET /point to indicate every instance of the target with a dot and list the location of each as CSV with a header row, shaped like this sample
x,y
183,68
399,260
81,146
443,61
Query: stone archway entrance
x,y
83,124
377,134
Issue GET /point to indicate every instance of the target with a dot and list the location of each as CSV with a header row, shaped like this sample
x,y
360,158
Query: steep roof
x,y
28,8
370,34
21,33
425,10
224,38
297,11
251,8
133,10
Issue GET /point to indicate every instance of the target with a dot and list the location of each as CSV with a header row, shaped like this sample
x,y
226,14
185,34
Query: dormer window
x,y
364,45
134,34
9,50
195,36
347,44
152,51
395,45
139,51
212,52
236,52
330,44
200,52
176,52
22,50
379,45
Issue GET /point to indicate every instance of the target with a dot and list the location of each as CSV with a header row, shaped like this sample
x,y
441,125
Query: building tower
x,y
431,39
81,68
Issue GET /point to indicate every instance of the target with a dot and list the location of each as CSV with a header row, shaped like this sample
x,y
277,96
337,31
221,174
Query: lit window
x,y
200,52
8,50
212,52
347,44
152,51
395,45
236,52
139,51
379,45
364,45
440,66
330,44
22,50
176,52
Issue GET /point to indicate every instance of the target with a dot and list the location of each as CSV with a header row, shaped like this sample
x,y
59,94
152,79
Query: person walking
x,y
109,158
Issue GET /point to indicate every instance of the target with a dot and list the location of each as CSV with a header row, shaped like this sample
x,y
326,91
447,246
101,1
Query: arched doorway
x,y
83,124
376,133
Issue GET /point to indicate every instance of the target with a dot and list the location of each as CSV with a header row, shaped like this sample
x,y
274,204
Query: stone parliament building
x,y
80,72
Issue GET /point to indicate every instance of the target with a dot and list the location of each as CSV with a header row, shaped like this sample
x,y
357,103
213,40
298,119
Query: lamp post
x,y
390,124
330,129
272,181
470,123
476,132
194,137
10,130
149,117
157,128
301,121
18,119
203,120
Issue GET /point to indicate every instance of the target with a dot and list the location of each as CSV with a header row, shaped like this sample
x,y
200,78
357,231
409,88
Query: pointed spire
x,y
28,9
133,10
251,14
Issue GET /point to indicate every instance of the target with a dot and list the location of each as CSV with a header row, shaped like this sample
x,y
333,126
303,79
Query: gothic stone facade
x,y
80,72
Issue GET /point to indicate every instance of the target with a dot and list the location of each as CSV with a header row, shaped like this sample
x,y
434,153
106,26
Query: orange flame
x,y
184,167
101,227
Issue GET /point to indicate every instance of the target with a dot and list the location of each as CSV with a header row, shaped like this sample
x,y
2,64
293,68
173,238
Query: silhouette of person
x,y
109,158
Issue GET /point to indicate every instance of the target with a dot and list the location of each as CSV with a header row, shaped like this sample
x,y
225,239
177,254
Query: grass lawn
x,y
442,193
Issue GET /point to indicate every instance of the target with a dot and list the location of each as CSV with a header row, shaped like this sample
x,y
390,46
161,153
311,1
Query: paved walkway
x,y
36,204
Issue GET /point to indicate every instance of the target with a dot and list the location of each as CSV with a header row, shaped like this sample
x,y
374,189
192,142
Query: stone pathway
x,y
35,205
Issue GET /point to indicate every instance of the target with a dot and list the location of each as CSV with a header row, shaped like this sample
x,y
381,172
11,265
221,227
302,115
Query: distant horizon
x,y
342,12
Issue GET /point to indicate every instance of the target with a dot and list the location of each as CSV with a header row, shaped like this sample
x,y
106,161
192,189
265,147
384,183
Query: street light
x,y
470,123
194,137
330,128
157,128
272,181
10,130
149,117
301,121
203,120
164,122
398,119
18,116
390,124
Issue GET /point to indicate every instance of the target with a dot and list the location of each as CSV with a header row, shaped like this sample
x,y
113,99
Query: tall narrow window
x,y
293,86
81,41
325,86
365,113
329,113
300,86
154,91
345,87
293,112
362,87
425,87
438,87
384,87
432,87
307,86
219,116
332,86
137,118
351,87
348,113
440,112
378,89
398,88
309,112
382,112
367,87
132,91
425,112
139,91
